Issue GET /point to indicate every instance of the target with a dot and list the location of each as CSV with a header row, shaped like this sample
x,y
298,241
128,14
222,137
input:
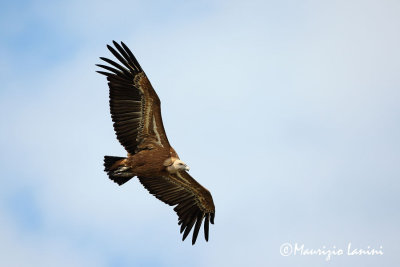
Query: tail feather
x,y
120,174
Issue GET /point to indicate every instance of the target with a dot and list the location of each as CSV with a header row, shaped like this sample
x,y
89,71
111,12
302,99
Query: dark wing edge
x,y
134,105
193,202
126,100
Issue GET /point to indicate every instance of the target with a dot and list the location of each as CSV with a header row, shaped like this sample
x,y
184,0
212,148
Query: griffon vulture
x,y
136,113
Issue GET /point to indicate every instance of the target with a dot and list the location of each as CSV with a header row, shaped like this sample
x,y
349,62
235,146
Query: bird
x,y
136,114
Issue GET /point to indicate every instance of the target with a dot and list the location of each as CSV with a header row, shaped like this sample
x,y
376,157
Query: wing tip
x,y
104,73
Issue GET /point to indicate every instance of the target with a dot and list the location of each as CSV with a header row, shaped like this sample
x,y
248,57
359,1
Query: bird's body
x,y
136,113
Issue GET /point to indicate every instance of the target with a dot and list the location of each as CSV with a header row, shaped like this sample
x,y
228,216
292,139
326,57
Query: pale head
x,y
174,164
180,165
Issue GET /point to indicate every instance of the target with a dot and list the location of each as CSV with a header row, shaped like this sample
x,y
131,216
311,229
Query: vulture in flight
x,y
136,113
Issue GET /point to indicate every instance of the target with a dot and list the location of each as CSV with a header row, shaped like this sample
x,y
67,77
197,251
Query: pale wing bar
x,y
126,100
190,209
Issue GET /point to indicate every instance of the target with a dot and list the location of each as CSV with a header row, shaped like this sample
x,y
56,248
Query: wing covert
x,y
134,105
193,203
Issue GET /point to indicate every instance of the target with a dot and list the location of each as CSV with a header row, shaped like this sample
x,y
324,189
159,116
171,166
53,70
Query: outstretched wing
x,y
134,105
193,202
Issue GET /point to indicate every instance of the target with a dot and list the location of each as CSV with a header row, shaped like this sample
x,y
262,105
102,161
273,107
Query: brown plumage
x,y
136,113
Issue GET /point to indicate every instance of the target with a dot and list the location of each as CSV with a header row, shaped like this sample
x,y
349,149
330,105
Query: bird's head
x,y
180,165
174,164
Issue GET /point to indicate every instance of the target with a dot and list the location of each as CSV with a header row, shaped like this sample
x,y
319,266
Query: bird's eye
x,y
180,163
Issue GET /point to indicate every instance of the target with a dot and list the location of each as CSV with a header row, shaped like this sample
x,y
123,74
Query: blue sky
x,y
287,111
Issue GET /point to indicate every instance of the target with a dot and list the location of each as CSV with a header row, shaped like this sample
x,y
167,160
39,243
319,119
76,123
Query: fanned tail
x,y
116,170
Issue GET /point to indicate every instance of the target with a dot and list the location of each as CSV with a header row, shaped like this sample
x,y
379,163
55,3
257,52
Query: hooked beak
x,y
187,168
